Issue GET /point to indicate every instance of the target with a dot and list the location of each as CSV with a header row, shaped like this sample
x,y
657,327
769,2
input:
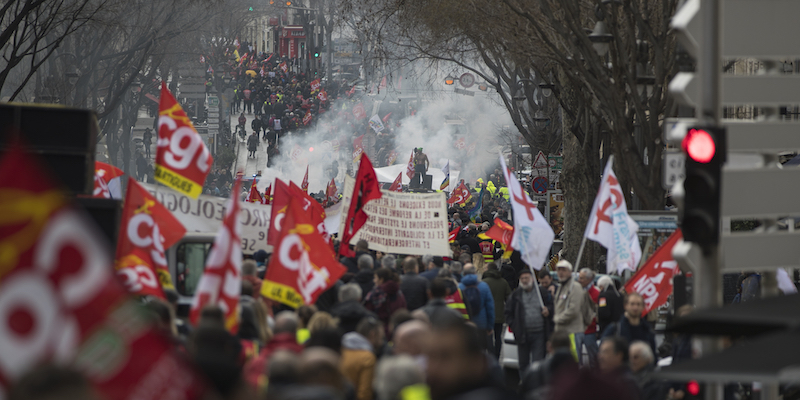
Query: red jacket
x,y
255,371
594,293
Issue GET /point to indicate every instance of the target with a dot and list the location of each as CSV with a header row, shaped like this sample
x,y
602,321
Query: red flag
x,y
304,184
410,168
297,274
254,196
453,234
359,112
397,185
222,280
358,148
146,230
307,118
654,279
61,303
331,192
461,144
283,193
501,232
386,117
182,160
322,96
351,91
460,196
267,195
391,157
283,67
315,85
366,189
103,175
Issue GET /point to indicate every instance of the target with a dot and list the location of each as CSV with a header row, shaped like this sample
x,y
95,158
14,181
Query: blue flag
x,y
475,211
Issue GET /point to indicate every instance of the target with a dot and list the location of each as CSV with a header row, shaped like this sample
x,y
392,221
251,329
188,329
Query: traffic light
x,y
250,8
316,54
705,149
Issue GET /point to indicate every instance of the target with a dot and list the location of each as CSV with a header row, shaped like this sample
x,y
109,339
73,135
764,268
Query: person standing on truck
x,y
421,165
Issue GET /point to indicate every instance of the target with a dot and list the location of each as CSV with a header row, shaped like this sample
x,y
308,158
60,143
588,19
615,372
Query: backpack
x,y
472,299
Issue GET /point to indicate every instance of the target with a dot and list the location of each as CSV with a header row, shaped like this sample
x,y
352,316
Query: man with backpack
x,y
480,304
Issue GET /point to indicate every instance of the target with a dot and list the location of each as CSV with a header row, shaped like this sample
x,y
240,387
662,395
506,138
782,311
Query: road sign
x,y
540,161
467,80
556,162
464,92
190,88
213,114
748,251
213,101
213,120
213,126
673,168
539,185
213,109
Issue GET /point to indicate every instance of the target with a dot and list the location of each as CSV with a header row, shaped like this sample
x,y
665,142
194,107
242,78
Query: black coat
x,y
364,278
350,313
515,314
610,308
415,290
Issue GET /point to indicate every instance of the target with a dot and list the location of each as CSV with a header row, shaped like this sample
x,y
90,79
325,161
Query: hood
x,y
492,274
390,287
363,276
355,341
469,280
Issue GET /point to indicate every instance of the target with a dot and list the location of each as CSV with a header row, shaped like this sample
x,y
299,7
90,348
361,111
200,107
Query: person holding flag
x,y
446,181
611,226
331,193
255,196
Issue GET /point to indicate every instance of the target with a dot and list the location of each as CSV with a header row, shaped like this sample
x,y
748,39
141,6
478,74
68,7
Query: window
x,y
191,261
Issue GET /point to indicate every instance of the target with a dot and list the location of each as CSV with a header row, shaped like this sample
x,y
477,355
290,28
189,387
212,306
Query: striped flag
x,y
446,181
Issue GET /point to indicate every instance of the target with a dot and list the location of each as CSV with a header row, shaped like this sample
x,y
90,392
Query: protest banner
x,y
654,280
403,223
205,214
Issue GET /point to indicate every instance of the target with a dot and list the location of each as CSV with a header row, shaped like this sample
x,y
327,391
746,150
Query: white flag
x,y
611,226
533,235
446,181
376,124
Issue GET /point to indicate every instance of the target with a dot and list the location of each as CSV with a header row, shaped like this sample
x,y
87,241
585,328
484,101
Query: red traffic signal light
x,y
699,145
693,388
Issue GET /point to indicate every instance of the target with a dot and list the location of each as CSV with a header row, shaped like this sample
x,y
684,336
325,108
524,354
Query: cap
x,y
564,264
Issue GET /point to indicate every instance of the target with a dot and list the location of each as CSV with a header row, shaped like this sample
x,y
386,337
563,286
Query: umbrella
x,y
251,73
746,319
767,359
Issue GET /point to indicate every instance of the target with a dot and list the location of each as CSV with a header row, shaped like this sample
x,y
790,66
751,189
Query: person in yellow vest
x,y
454,298
438,306
491,188
504,192
487,246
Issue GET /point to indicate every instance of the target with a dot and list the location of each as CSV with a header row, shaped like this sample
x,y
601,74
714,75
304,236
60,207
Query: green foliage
x,y
225,157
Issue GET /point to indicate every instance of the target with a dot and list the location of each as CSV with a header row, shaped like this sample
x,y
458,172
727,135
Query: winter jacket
x,y
610,308
515,314
365,279
484,318
431,274
631,333
438,309
384,300
257,367
415,290
350,313
568,307
358,364
594,294
500,292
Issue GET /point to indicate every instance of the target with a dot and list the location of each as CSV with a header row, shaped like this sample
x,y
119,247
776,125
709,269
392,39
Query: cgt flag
x,y
182,159
611,226
296,274
147,229
654,280
221,281
366,188
60,302
410,167
397,185
501,232
460,196
304,184
533,236
268,195
254,196
107,181
283,194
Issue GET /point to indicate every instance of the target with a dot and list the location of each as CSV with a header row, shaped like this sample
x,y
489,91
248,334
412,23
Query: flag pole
x,y
580,254
536,284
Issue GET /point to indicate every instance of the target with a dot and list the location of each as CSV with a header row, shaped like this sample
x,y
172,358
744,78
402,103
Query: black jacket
x,y
610,308
415,290
515,314
364,278
350,313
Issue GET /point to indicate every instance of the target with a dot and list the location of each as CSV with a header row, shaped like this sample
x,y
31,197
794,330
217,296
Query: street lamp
x,y
449,80
540,120
547,86
600,38
645,81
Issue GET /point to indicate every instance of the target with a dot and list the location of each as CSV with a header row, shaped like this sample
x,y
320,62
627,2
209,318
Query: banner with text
x,y
403,223
205,214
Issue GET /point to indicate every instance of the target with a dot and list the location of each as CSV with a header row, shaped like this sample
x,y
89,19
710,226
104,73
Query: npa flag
x,y
60,302
107,181
397,185
254,196
304,184
366,189
533,236
410,167
221,281
654,280
460,196
331,192
611,226
296,275
182,159
147,228
358,148
446,181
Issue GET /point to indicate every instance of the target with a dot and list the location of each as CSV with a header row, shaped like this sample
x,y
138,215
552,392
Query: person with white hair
x,y
394,374
609,303
643,367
